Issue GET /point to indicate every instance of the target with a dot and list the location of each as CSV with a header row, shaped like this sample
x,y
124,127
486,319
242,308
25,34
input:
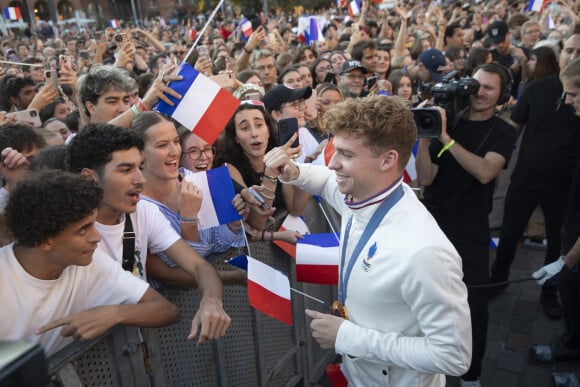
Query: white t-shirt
x,y
27,303
152,230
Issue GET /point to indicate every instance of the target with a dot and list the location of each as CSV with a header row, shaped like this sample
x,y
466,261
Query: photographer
x,y
458,173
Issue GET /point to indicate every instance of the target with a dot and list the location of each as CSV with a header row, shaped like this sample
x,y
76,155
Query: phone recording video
x,y
286,128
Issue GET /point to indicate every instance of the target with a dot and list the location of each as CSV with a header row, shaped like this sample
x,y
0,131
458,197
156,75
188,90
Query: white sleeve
x,y
319,180
160,234
110,284
437,297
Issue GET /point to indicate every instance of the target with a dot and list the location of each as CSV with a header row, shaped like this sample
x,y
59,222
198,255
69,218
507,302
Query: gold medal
x,y
339,310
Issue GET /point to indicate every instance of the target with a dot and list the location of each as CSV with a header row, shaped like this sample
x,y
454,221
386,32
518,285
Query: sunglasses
x,y
179,52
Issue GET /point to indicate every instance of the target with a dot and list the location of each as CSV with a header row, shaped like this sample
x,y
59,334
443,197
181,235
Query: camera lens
x,y
33,113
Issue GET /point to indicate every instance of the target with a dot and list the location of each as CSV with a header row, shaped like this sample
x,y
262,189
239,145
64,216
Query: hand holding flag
x,y
217,190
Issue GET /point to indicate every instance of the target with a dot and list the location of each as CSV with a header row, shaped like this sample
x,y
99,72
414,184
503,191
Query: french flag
x,y
247,29
353,8
313,33
294,223
268,288
550,22
12,13
218,192
204,108
536,5
114,23
317,257
410,172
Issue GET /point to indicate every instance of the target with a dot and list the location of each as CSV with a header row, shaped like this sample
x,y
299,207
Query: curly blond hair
x,y
384,122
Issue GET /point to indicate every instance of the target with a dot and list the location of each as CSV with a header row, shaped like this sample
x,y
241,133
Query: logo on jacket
x,y
366,263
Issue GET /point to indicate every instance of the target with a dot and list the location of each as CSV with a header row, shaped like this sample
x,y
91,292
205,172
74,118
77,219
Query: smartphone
x,y
371,82
330,78
203,50
120,38
286,128
224,80
259,198
65,62
51,77
28,117
84,54
252,97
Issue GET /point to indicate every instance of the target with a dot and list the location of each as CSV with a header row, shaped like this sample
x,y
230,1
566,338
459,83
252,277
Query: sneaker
x,y
469,383
565,379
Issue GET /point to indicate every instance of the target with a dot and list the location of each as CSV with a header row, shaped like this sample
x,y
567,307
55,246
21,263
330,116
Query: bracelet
x,y
263,232
271,236
135,110
183,219
266,196
272,179
247,51
141,105
446,148
268,189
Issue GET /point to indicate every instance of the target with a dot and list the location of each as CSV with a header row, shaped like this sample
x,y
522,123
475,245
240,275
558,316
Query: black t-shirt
x,y
455,193
550,147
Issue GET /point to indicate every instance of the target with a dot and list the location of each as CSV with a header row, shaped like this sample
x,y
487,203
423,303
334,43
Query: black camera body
x,y
453,96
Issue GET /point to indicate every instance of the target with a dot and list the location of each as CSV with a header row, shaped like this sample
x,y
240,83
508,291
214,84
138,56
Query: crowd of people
x,y
95,181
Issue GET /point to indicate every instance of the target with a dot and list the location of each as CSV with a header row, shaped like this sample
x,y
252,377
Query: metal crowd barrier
x,y
256,351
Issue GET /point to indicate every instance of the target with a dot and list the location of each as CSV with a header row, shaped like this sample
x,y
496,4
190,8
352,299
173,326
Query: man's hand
x,y
159,89
210,322
255,39
45,95
278,160
548,271
324,328
85,325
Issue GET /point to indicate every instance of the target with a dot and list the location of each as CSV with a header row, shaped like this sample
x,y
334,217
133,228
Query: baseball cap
x,y
279,95
350,65
497,31
432,59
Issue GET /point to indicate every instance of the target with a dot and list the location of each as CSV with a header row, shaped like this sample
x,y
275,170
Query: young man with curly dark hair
x,y
111,156
54,275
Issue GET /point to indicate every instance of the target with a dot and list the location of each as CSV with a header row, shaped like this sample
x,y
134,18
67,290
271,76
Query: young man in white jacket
x,y
407,319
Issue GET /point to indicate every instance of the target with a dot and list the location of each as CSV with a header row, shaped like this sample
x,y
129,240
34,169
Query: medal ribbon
x,y
373,223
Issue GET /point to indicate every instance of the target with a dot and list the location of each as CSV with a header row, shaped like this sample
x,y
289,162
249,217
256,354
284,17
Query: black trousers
x,y
470,237
519,205
569,287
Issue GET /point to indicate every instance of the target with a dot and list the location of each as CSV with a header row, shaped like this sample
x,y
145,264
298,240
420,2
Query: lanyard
x,y
371,226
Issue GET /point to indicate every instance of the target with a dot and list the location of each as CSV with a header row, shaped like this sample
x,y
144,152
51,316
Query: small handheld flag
x,y
317,257
218,192
269,291
204,108
12,13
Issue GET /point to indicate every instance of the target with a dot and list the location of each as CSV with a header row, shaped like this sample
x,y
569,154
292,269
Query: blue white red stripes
x,y
218,192
317,258
269,291
247,29
12,13
204,107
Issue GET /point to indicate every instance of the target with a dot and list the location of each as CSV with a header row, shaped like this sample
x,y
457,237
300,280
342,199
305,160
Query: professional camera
x,y
453,96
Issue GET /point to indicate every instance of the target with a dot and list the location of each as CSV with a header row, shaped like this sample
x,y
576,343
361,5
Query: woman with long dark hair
x,y
248,136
